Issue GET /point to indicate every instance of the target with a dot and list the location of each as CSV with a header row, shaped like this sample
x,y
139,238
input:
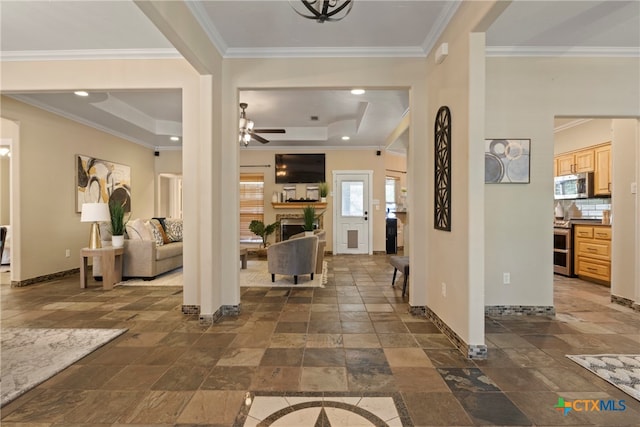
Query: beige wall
x,y
5,165
335,160
625,256
123,75
396,166
592,132
523,97
50,224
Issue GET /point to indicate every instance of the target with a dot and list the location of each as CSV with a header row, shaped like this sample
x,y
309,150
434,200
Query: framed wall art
x,y
442,170
506,161
101,181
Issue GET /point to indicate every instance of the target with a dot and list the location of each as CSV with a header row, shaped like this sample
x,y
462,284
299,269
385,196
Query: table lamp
x,y
94,213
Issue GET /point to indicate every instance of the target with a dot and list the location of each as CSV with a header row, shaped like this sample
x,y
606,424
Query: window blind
x,y
251,204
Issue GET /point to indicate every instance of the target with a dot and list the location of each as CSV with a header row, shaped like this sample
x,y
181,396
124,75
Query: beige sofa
x,y
143,257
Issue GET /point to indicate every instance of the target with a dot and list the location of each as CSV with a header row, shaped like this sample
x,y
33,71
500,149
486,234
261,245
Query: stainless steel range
x,y
562,248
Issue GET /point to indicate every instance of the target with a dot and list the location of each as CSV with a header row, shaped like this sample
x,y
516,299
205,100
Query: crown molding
x,y
565,51
449,10
80,120
571,124
200,14
89,54
326,52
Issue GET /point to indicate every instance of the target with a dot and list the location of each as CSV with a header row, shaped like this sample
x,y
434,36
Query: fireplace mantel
x,y
298,205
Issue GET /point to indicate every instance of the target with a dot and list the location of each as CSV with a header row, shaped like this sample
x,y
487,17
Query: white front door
x,y
352,225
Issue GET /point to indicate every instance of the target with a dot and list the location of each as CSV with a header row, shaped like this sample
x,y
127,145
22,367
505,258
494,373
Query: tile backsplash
x,y
590,208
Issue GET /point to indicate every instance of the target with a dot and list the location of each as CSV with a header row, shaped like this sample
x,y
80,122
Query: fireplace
x,y
291,224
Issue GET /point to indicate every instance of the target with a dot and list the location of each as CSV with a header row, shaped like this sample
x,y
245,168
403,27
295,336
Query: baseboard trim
x,y
223,311
519,310
45,278
190,309
471,351
625,302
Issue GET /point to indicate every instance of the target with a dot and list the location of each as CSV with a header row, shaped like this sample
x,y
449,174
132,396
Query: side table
x,y
111,262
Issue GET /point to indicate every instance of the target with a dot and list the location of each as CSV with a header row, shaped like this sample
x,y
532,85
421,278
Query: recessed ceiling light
x,y
345,138
175,138
81,93
357,91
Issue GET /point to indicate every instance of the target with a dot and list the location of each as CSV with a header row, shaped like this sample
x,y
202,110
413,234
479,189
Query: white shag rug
x,y
32,356
257,275
621,370
170,278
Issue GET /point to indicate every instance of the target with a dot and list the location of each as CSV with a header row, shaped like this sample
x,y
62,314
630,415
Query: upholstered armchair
x,y
293,257
322,243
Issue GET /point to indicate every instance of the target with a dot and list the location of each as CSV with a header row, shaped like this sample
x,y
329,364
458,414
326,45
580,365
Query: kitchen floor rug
x,y
32,356
621,370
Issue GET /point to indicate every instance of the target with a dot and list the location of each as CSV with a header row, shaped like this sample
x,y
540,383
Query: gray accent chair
x,y
293,257
322,243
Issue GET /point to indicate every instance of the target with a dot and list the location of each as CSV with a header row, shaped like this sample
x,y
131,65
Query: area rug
x,y
31,356
257,275
170,278
621,370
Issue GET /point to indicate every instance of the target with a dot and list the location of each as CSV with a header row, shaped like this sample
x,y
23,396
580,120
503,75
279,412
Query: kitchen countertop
x,y
587,221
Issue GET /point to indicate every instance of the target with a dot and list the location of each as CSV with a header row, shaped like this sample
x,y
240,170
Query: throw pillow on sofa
x,y
173,228
156,231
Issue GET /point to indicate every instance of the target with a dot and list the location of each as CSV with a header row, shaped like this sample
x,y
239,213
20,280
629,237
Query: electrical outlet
x,y
444,289
67,253
506,278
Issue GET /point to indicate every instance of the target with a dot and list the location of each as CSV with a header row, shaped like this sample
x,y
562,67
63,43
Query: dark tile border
x,y
45,278
625,302
519,310
190,309
223,311
474,351
403,412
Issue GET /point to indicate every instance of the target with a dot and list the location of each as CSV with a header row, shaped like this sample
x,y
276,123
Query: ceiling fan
x,y
247,132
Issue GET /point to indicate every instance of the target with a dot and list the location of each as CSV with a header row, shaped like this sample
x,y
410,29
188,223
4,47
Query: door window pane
x,y
352,198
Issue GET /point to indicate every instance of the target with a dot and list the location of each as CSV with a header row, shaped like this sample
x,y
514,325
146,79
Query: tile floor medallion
x,y
323,410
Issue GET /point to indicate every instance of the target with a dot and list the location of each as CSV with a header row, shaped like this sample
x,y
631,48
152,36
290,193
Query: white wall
x,y
523,97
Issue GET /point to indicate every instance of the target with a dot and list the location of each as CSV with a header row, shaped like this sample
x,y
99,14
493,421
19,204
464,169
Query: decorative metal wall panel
x,y
442,171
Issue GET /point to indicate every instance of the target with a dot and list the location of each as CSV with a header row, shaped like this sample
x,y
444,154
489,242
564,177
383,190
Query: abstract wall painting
x,y
506,161
102,181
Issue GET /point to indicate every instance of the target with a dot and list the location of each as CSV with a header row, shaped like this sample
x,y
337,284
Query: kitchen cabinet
x,y
575,162
592,259
602,176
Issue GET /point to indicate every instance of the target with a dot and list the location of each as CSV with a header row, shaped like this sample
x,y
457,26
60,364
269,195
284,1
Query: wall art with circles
x,y
506,161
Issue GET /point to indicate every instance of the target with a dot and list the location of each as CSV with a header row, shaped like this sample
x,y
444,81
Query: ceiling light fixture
x,y
175,138
323,10
345,138
81,93
357,91
245,125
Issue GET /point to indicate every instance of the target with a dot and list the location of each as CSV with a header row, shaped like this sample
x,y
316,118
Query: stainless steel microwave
x,y
577,186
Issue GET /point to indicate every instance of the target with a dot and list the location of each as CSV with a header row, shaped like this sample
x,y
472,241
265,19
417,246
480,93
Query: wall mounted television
x,y
300,168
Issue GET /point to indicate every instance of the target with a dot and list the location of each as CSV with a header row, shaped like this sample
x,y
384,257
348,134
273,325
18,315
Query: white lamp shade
x,y
93,212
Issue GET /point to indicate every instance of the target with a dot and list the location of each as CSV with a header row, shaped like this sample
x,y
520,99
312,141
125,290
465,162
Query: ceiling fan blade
x,y
259,138
269,131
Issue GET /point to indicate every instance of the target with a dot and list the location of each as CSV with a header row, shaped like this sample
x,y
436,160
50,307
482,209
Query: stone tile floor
x,y
353,338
